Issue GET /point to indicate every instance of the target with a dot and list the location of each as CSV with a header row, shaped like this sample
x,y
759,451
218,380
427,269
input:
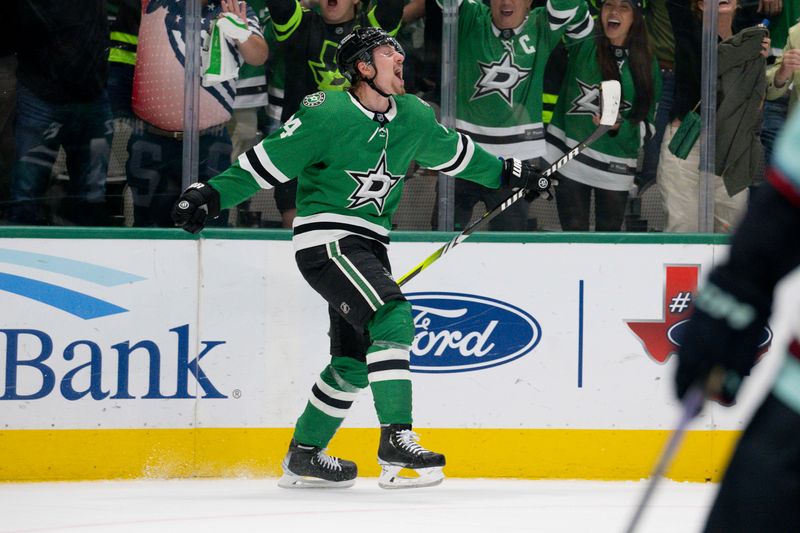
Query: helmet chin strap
x,y
371,83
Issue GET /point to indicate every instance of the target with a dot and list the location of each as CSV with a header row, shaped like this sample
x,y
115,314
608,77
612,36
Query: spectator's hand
x,y
722,337
615,127
790,62
234,7
187,211
765,42
236,23
770,8
522,175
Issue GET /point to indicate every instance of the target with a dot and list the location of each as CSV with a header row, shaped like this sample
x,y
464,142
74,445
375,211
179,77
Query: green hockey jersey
x,y
350,163
501,73
610,162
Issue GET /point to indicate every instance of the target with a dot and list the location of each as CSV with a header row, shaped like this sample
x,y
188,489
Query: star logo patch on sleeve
x,y
313,100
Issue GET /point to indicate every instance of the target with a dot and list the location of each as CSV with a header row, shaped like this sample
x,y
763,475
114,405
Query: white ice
x,y
245,505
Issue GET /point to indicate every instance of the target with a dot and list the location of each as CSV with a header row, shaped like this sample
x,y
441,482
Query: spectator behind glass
x,y
308,42
784,74
620,51
502,54
783,78
662,42
741,86
251,95
155,146
276,73
781,17
123,18
62,50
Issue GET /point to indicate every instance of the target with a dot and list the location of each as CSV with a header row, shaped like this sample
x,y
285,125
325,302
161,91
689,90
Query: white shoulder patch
x,y
314,100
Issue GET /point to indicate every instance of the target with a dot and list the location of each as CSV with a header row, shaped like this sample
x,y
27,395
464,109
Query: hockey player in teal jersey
x,y
618,50
503,50
349,152
726,332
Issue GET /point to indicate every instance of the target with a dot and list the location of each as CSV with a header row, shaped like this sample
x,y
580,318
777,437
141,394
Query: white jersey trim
x,y
310,239
245,165
586,31
274,171
582,173
336,394
565,15
464,153
521,150
392,354
389,375
497,131
327,409
390,114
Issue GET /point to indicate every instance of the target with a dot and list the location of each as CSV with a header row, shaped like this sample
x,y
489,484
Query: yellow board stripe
x,y
44,455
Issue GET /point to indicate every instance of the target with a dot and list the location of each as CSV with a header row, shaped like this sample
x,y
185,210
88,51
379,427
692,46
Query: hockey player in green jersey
x,y
619,50
349,152
503,50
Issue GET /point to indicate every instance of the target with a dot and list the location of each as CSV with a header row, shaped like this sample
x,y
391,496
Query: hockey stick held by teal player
x,y
610,94
716,382
690,407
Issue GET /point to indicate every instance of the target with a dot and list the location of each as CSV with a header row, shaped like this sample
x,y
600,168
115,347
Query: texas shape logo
x,y
661,337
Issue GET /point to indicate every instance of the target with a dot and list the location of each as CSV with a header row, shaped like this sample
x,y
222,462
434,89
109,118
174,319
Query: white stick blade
x,y
610,94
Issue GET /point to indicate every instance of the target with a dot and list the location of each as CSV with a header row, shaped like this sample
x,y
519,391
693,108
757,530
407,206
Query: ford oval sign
x,y
464,332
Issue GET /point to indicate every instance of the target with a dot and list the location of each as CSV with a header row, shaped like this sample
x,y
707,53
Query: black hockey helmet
x,y
358,46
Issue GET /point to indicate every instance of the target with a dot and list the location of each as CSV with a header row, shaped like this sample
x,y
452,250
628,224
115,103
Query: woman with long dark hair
x,y
619,51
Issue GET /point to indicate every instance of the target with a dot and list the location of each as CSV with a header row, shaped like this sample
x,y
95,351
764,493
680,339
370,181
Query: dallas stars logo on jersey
x,y
374,186
588,101
501,78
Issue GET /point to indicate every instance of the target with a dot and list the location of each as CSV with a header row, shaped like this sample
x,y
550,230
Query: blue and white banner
x,y
226,333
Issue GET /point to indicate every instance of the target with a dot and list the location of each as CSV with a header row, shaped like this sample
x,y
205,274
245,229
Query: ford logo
x,y
675,334
464,332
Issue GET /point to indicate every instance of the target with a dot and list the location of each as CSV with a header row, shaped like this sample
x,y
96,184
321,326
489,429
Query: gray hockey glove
x,y
188,211
519,174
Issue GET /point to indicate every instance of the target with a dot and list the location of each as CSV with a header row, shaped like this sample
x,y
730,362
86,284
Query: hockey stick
x,y
610,95
691,406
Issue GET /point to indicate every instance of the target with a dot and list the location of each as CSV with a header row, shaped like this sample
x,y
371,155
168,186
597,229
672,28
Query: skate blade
x,y
426,477
292,481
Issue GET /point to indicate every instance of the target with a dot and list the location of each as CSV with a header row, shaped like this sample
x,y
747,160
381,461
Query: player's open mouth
x,y
399,73
333,3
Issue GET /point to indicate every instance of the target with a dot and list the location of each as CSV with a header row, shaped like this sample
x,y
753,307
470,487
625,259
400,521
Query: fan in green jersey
x,y
503,50
347,192
619,50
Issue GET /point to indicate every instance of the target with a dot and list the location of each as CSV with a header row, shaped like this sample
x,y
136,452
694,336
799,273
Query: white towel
x,y
220,61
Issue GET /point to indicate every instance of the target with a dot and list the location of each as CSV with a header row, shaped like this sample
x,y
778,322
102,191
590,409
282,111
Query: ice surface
x,y
244,505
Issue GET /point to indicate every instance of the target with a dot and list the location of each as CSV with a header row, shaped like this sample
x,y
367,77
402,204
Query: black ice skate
x,y
310,467
399,448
